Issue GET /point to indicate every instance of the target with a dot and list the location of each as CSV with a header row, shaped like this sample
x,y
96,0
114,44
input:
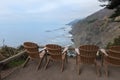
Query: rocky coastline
x,y
97,29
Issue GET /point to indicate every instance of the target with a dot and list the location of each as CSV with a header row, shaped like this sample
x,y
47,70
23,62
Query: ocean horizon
x,y
39,21
16,35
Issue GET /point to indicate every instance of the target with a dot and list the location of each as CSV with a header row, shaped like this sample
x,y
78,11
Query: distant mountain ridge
x,y
96,29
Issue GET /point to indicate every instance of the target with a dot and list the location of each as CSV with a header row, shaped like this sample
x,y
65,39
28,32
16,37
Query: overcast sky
x,y
18,18
46,10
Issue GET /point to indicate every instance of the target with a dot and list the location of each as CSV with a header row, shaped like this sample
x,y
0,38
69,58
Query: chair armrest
x,y
104,52
64,53
77,51
65,50
98,53
42,49
42,53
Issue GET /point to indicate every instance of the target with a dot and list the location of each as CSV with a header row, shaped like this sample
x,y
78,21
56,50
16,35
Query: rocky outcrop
x,y
96,29
117,19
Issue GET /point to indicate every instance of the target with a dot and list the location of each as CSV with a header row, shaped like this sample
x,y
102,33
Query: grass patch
x,y
15,63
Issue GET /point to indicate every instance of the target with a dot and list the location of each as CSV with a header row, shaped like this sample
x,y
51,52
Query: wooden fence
x,y
6,61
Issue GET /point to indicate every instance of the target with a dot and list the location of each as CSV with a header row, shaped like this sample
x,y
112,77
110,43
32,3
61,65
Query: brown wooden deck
x,y
53,72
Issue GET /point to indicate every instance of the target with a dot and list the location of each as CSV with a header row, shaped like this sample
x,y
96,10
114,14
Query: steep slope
x,y
96,29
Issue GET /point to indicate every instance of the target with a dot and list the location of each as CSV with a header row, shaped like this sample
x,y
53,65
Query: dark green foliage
x,y
20,48
108,45
117,41
114,43
113,4
15,63
117,13
10,51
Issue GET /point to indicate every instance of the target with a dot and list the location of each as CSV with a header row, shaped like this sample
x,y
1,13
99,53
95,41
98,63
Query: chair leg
x,y
62,68
47,63
46,57
102,60
66,59
1,66
0,76
106,69
76,59
97,69
79,69
40,63
26,61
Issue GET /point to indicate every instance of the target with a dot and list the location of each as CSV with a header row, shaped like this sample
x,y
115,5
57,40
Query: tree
x,y
113,4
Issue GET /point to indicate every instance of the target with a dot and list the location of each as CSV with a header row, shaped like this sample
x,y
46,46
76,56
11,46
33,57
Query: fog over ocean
x,y
41,21
16,35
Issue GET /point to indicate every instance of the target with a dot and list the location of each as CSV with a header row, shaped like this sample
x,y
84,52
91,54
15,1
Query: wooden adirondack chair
x,y
56,53
33,52
86,54
111,57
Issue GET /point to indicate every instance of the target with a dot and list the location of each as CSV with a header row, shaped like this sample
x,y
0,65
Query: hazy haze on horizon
x,y
30,19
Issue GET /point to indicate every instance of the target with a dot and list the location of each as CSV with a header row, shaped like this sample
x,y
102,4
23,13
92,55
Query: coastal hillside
x,y
96,29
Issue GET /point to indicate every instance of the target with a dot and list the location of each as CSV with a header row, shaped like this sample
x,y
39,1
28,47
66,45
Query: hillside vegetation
x,y
98,29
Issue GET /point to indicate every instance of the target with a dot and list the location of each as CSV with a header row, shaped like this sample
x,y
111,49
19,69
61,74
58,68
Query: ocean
x,y
16,34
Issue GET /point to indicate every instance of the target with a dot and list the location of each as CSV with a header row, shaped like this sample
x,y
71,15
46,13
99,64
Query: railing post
x,y
1,66
5,61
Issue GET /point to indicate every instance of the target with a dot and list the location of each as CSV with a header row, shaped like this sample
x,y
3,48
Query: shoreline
x,y
95,29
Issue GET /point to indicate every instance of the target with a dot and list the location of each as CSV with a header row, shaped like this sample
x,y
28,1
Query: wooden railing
x,y
6,61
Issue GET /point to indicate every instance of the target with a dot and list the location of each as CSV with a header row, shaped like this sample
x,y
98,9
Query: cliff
x,y
96,29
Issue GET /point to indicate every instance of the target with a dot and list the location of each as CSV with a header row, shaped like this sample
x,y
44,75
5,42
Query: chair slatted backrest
x,y
88,53
32,49
113,55
114,51
54,50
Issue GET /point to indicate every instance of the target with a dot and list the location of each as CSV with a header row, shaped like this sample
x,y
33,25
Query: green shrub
x,y
116,13
15,63
115,42
8,51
